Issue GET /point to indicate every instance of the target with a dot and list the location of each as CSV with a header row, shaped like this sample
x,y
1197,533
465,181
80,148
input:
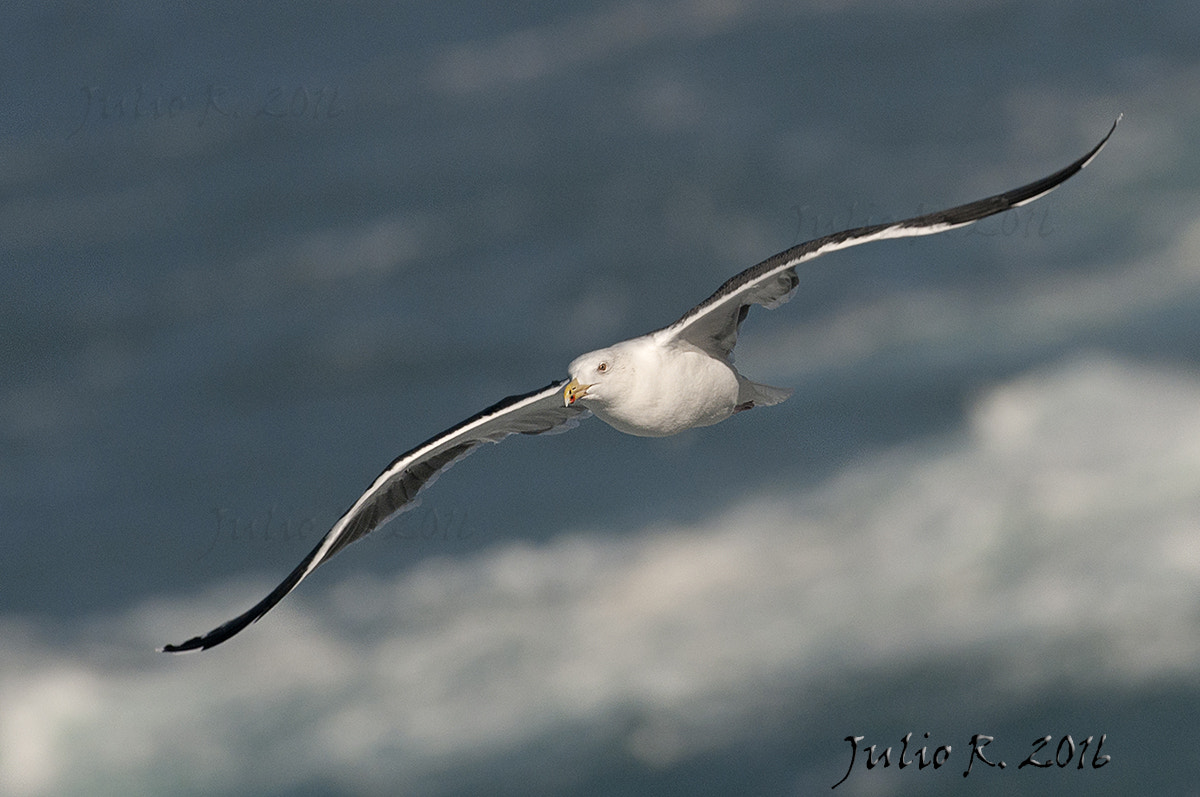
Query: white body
x,y
655,405
653,388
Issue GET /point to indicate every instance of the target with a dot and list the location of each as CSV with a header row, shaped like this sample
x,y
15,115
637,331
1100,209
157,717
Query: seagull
x,y
675,378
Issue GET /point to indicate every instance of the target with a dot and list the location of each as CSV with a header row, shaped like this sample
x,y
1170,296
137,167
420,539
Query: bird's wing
x,y
713,324
395,489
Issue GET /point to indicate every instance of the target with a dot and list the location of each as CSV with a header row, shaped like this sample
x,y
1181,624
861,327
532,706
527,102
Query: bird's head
x,y
593,376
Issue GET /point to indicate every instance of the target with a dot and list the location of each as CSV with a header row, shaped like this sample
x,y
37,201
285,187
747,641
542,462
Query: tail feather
x,y
759,395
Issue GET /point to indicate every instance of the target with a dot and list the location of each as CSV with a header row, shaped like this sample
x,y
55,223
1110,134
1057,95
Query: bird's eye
x,y
602,367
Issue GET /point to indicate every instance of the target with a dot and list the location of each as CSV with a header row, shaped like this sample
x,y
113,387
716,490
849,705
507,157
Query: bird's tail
x,y
760,395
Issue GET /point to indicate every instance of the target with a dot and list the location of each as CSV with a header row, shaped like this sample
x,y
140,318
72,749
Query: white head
x,y
598,375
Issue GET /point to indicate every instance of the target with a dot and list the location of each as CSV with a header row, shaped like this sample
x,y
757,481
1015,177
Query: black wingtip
x,y
193,644
1086,159
220,634
973,211
249,617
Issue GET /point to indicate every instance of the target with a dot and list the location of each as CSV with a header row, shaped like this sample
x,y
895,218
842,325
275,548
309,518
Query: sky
x,y
252,254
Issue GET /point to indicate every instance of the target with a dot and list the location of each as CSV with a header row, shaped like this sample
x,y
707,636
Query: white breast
x,y
670,390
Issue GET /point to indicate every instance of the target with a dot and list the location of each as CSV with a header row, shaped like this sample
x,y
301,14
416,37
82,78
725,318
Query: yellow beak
x,y
574,391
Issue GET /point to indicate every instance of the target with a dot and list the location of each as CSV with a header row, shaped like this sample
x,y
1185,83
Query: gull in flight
x,y
672,379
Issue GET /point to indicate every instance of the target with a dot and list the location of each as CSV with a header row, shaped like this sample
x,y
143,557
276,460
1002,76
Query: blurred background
x,y
252,253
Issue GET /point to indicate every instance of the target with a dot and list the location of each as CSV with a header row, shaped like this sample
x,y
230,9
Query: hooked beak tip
x,y
574,391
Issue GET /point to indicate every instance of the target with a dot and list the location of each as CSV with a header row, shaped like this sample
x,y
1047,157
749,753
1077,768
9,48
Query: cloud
x,y
1059,522
91,220
549,48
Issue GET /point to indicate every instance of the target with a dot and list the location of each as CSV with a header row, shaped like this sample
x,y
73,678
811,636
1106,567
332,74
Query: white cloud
x,y
1061,520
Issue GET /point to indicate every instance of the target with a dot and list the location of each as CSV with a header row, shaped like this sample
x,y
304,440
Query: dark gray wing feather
x,y
713,324
395,489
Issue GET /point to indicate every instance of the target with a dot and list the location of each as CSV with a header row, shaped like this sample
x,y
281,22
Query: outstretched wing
x,y
713,324
394,490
